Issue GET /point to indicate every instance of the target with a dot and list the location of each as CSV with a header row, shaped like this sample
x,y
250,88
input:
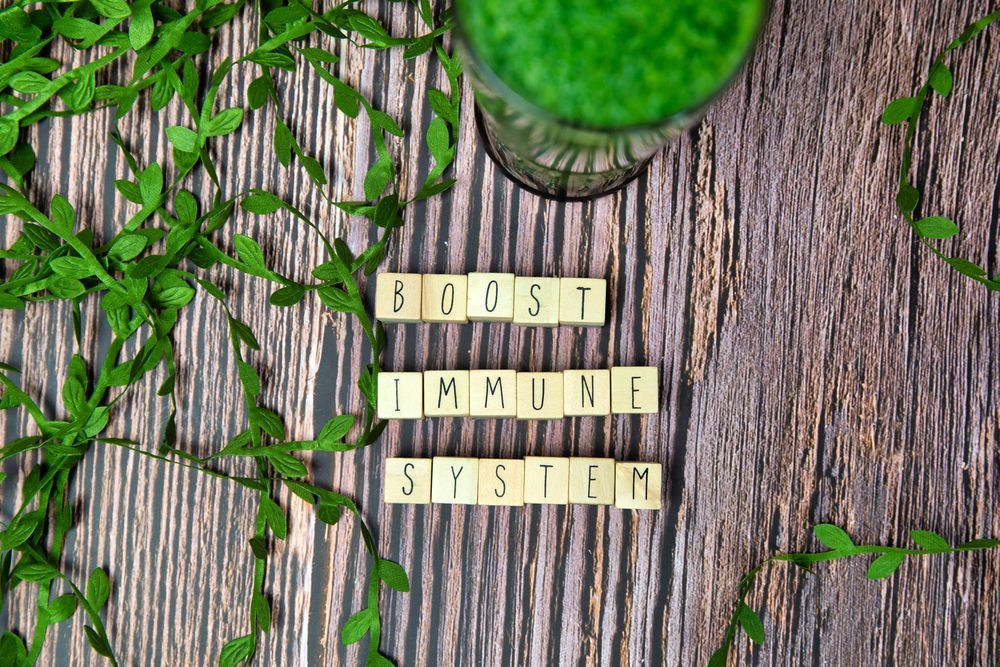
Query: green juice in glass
x,y
576,95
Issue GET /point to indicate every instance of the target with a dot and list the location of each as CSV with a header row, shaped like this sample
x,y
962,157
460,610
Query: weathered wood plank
x,y
816,364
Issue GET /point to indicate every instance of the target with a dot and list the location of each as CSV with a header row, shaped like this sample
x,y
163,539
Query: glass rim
x,y
519,101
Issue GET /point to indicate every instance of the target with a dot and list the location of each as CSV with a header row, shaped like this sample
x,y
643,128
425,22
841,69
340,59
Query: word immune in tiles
x,y
504,393
543,480
490,297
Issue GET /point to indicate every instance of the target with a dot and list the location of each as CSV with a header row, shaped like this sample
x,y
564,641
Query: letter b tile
x,y
397,297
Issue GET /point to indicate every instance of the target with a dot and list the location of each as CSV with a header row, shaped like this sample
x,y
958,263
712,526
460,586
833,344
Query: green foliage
x,y
840,546
158,262
908,110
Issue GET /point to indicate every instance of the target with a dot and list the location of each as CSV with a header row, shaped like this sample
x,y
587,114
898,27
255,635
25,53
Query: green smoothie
x,y
612,63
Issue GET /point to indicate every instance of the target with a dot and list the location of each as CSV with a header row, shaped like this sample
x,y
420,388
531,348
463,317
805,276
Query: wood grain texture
x,y
816,365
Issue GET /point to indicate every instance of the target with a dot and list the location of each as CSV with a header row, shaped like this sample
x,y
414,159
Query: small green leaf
x,y
283,141
885,565
64,288
183,139
384,121
97,421
13,649
980,544
259,547
328,513
287,296
441,105
242,332
313,168
259,91
286,464
151,185
35,572
377,178
18,532
929,539
337,299
141,28
250,252
113,9
237,650
357,626
98,588
249,378
275,517
335,429
832,536
224,122
269,421
97,642
302,491
128,247
261,203
74,396
271,59
175,296
8,134
378,660
720,657
63,214
29,82
965,267
260,611
393,575
62,608
81,93
941,80
907,198
72,267
899,110
751,624
439,141
935,227
10,302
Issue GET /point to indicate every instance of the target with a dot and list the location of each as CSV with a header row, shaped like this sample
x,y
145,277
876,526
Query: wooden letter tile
x,y
407,481
546,480
539,396
455,481
397,297
400,395
445,298
536,301
501,482
635,389
446,393
492,393
592,481
582,301
587,392
491,297
637,485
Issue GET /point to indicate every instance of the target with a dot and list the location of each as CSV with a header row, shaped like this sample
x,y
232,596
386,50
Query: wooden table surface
x,y
817,365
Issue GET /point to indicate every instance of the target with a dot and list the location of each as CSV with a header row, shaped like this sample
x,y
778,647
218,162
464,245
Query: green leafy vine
x,y
840,545
156,263
908,110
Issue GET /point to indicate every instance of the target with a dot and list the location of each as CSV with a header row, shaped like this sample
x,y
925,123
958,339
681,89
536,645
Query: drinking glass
x,y
568,158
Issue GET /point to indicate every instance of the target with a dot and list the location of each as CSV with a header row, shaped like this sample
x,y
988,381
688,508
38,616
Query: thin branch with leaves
x,y
840,546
